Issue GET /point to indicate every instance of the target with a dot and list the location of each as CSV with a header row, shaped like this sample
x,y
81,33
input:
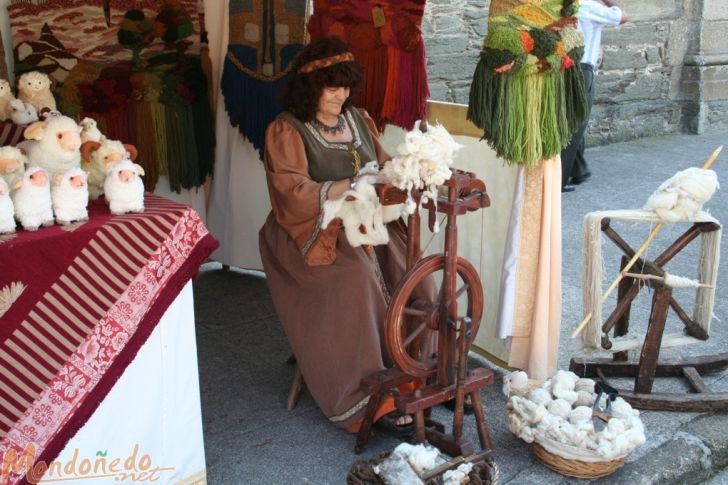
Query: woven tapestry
x,y
386,38
264,37
132,65
528,91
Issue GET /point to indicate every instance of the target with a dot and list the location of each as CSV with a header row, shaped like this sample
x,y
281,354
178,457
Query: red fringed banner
x,y
387,40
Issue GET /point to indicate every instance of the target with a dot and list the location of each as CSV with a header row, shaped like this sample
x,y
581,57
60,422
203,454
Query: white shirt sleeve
x,y
599,14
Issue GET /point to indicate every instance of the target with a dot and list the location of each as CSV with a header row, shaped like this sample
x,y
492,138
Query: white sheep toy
x,y
98,158
12,164
69,194
32,199
53,144
35,88
124,189
90,131
7,213
22,113
6,96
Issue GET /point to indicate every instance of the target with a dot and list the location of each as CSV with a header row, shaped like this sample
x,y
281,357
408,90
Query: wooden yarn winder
x,y
649,366
411,325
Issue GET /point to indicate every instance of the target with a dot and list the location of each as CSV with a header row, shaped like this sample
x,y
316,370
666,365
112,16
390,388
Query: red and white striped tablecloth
x,y
76,304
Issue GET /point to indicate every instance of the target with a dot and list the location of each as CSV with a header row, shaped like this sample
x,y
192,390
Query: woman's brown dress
x,y
330,297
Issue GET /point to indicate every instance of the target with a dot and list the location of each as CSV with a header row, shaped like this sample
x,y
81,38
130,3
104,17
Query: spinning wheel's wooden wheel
x,y
410,324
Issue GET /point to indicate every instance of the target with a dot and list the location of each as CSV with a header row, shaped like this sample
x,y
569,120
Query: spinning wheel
x,y
411,325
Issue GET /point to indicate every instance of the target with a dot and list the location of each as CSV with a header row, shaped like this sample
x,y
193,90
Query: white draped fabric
x,y
239,200
155,405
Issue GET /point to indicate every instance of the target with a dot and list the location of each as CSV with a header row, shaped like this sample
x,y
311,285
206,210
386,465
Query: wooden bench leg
x,y
295,392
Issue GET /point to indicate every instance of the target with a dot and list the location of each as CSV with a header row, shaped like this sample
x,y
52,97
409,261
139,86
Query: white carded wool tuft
x,y
682,196
423,163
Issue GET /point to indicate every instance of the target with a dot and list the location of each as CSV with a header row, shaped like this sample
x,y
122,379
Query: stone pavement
x,y
251,439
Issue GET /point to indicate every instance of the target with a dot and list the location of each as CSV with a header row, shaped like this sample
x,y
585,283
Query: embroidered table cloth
x,y
76,304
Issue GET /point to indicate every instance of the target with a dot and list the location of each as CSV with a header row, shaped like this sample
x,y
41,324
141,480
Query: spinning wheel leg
x,y
481,424
420,426
366,426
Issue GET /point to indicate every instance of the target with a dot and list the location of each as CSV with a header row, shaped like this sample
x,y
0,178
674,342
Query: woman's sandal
x,y
388,424
467,406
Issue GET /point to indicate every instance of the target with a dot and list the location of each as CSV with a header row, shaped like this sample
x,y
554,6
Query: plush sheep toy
x,y
35,88
7,217
90,131
69,194
22,113
32,199
6,96
124,189
98,158
12,164
53,144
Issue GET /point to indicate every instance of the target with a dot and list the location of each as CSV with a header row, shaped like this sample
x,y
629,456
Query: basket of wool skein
x,y
555,417
409,464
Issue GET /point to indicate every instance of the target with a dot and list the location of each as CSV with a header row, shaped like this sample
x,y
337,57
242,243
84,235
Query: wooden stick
x,y
655,230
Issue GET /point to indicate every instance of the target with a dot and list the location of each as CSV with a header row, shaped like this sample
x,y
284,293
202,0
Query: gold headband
x,y
326,62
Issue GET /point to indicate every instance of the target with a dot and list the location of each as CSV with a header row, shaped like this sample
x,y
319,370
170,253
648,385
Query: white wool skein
x,y
585,384
539,396
560,408
69,194
529,411
514,382
32,199
682,196
621,409
124,189
7,213
584,398
458,475
580,414
562,386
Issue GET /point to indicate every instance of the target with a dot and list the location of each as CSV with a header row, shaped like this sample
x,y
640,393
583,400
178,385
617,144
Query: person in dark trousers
x,y
593,16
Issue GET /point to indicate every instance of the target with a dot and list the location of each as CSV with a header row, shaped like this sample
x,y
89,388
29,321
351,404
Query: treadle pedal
x,y
695,380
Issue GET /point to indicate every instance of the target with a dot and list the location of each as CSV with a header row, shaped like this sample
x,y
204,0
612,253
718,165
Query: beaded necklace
x,y
330,130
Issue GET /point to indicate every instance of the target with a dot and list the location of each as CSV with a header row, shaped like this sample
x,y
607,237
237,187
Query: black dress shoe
x,y
580,180
568,188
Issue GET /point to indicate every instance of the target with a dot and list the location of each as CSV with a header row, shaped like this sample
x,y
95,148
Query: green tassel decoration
x,y
527,93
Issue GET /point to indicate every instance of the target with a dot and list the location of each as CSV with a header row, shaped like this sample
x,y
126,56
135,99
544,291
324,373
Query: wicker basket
x,y
575,468
361,473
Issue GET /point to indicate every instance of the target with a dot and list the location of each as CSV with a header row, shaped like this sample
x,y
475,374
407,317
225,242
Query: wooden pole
x,y
655,230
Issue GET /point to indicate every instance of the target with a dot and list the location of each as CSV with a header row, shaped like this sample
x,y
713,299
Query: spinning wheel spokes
x,y
411,328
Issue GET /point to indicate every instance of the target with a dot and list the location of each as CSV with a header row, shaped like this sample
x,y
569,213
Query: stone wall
x,y
665,71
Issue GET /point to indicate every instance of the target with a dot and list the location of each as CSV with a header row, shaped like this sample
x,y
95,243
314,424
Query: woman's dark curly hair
x,y
301,94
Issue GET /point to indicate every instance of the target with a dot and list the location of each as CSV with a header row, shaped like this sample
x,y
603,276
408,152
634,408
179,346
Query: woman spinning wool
x,y
331,297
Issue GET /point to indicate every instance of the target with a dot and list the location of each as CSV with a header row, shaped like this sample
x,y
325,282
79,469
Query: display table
x,y
77,303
